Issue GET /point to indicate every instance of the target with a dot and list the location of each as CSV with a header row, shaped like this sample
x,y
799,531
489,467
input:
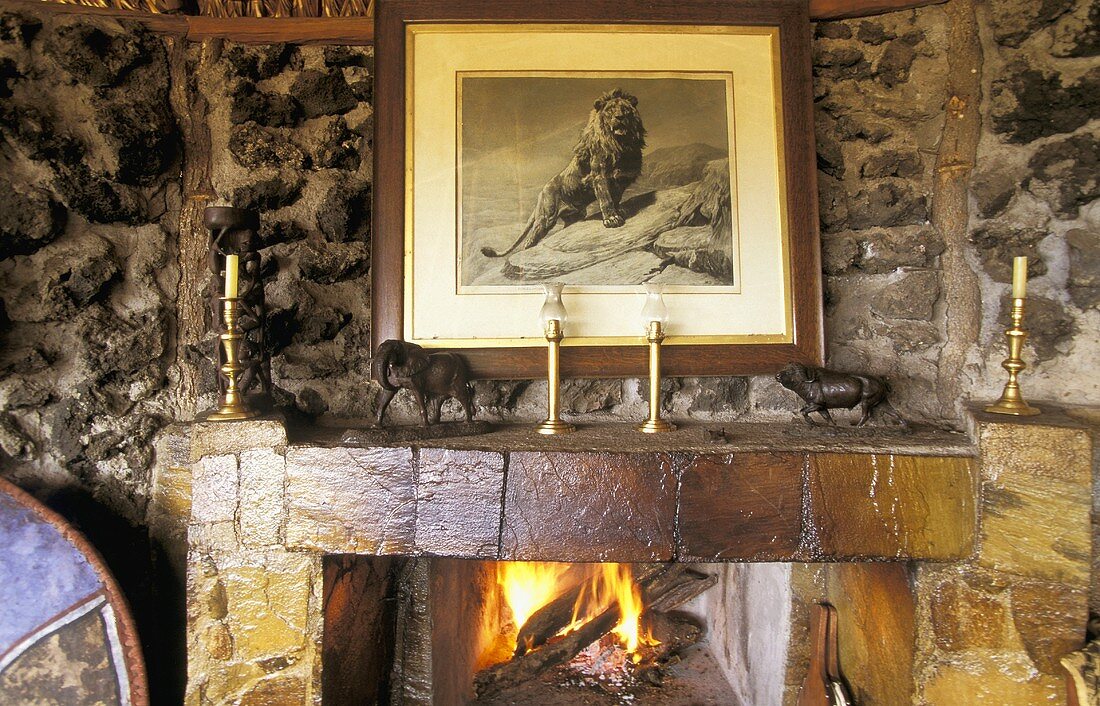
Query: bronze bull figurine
x,y
824,389
431,377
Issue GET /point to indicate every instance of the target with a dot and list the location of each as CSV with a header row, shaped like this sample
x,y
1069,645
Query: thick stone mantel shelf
x,y
606,493
692,439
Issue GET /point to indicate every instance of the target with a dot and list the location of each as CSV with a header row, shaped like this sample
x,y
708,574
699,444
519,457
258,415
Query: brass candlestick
x,y
553,424
655,334
1012,400
232,405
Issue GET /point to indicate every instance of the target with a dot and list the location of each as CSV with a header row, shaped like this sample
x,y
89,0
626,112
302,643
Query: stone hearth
x,y
981,534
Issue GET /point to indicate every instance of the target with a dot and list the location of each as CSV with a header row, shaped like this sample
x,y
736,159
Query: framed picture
x,y
557,141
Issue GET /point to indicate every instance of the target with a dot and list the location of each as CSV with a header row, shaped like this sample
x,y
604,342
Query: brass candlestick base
x,y
1012,400
653,425
553,424
232,406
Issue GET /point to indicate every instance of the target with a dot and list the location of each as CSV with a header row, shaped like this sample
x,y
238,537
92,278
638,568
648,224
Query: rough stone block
x,y
171,506
989,684
269,604
873,505
213,438
742,506
966,617
459,502
1048,618
263,473
351,501
1036,501
214,493
589,507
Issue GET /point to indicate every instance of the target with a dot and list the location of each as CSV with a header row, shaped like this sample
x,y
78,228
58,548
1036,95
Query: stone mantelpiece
x,y
266,509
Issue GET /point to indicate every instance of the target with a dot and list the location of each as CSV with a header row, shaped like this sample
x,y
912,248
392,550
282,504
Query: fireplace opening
x,y
457,631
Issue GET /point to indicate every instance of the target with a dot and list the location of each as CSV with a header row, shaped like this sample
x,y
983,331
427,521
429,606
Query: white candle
x,y
1019,277
231,276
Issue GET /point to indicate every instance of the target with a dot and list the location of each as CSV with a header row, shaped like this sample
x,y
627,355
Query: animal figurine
x,y
431,377
824,389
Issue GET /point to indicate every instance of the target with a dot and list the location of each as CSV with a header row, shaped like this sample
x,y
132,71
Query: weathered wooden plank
x,y
741,506
359,627
839,9
270,30
875,630
883,506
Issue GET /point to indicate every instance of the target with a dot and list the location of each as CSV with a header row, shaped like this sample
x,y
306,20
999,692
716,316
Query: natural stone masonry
x,y
993,628
90,175
979,623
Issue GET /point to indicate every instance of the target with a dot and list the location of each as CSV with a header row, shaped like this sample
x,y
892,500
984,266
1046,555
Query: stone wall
x,y
88,376
92,168
89,182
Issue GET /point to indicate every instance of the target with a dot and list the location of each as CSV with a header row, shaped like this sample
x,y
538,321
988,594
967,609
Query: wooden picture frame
x,y
787,22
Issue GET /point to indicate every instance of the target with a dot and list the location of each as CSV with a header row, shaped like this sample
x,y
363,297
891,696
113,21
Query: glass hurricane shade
x,y
654,309
552,307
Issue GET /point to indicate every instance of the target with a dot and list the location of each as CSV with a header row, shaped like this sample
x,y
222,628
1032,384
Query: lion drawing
x,y
606,160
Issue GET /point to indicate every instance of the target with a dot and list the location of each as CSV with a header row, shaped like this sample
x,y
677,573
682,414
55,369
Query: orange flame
x,y
527,586
614,583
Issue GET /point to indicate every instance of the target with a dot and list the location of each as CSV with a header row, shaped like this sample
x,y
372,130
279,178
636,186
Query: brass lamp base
x,y
555,426
654,426
1018,409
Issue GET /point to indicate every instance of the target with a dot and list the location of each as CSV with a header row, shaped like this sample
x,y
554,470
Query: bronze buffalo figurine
x,y
824,389
431,377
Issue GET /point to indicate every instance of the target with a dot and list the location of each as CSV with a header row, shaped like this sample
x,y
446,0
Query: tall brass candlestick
x,y
553,423
232,405
655,314
1012,400
655,334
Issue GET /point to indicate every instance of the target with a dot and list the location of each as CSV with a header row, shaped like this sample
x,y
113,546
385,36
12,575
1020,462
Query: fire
x,y
527,586
611,584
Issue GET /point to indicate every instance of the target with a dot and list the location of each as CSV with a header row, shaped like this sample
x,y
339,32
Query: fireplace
x,y
323,571
687,632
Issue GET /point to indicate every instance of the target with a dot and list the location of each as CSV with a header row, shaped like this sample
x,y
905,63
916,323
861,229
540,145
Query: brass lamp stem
x,y
655,424
232,405
1012,400
553,424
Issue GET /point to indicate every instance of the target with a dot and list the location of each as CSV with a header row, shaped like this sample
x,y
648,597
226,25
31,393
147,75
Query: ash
x,y
603,674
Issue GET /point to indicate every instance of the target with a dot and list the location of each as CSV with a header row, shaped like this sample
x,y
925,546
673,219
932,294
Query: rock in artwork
x,y
65,634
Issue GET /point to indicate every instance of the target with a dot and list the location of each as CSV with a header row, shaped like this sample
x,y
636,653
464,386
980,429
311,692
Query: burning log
x,y
670,590
520,670
666,586
674,633
555,616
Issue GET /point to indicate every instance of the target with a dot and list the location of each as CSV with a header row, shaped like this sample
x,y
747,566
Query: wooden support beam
x,y
269,30
840,9
358,30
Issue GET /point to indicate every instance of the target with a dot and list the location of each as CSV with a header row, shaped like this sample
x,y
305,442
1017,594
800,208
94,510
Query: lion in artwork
x,y
606,160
